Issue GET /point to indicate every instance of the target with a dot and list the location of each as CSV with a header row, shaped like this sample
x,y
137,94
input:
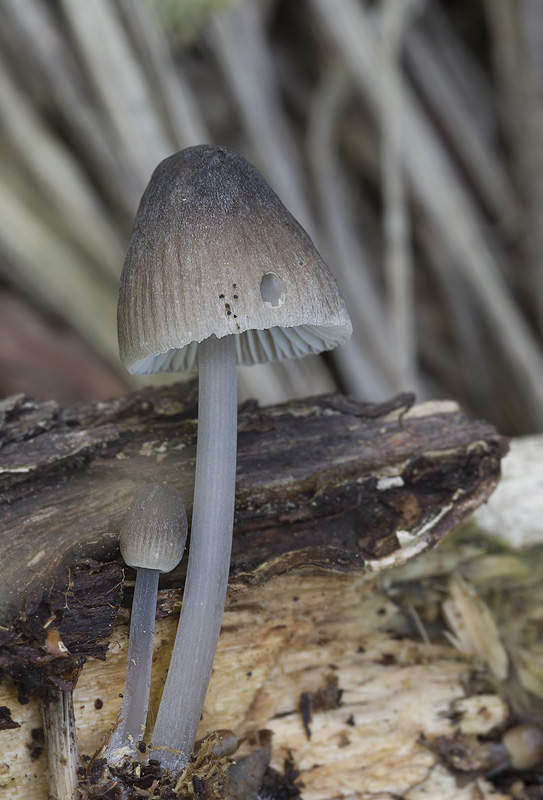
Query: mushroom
x,y
152,539
218,272
521,748
524,745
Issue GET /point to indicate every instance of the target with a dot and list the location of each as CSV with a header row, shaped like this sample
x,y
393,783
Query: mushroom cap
x,y
524,743
154,530
215,252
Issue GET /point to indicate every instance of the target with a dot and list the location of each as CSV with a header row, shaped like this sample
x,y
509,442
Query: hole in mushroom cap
x,y
271,290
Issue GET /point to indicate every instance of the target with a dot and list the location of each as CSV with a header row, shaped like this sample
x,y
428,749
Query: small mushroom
x,y
523,746
152,539
218,272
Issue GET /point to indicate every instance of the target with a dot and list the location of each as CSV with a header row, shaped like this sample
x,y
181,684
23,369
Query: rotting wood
x,y
300,632
325,485
324,482
60,743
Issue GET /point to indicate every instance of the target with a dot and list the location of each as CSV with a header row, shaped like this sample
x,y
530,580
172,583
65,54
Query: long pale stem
x,y
131,726
209,557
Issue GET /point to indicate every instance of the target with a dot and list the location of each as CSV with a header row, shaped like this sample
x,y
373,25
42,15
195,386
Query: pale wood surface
x,y
291,636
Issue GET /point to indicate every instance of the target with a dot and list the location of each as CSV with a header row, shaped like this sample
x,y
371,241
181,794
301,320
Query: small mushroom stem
x,y
60,740
133,714
209,556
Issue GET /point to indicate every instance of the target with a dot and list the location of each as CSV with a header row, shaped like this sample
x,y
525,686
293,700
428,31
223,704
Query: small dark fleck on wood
x,y
305,710
22,695
324,699
36,752
6,722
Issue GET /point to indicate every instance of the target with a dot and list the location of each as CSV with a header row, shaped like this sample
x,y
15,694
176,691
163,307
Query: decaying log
x,y
328,492
390,696
324,482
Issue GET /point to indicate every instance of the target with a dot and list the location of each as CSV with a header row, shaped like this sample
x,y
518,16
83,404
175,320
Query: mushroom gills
x,y
252,347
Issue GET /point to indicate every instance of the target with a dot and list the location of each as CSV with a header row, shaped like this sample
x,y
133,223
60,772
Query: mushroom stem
x,y
133,714
209,556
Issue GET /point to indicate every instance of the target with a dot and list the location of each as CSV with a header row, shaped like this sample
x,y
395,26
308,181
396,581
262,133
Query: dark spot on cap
x,y
221,297
350,721
235,297
98,704
35,753
234,285
229,313
235,316
37,734
142,747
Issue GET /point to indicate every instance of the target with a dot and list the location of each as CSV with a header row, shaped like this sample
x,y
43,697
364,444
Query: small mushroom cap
x,y
154,530
524,743
214,251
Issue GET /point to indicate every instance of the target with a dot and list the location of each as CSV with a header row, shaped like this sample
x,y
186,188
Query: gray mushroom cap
x,y
214,251
154,530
